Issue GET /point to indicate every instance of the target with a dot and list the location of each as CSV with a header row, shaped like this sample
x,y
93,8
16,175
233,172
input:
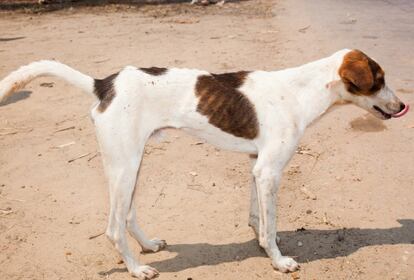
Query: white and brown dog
x,y
259,113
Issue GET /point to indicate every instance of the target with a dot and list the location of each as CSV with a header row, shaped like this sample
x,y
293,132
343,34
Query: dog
x,y
260,113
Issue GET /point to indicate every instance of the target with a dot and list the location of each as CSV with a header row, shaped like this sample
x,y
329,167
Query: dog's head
x,y
363,83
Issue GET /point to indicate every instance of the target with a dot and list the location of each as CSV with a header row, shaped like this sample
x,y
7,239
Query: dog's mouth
x,y
384,115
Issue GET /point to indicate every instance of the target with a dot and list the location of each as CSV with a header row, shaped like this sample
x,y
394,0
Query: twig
x,y
194,188
79,157
64,145
303,152
303,29
64,129
161,194
15,132
92,157
103,60
315,162
326,221
96,235
159,148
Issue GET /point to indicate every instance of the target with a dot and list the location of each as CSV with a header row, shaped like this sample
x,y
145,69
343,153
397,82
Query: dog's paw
x,y
145,272
154,245
285,264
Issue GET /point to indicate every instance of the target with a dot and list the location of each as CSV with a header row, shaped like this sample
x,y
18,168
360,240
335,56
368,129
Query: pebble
x,y
300,244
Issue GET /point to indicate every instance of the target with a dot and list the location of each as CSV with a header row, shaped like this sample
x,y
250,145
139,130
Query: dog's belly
x,y
222,140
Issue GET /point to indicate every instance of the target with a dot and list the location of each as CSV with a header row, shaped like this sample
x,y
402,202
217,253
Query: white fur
x,y
286,102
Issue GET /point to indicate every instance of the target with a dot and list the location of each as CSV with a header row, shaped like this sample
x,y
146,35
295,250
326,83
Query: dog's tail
x,y
22,76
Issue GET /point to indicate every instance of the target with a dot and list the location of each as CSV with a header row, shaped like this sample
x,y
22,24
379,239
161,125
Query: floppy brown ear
x,y
355,69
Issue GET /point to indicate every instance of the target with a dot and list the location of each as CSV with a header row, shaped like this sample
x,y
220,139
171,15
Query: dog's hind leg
x,y
122,147
153,245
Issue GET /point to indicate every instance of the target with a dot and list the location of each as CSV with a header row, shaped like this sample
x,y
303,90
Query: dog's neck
x,y
312,84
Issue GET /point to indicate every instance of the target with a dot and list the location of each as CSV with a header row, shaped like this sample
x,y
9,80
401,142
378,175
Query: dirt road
x,y
53,195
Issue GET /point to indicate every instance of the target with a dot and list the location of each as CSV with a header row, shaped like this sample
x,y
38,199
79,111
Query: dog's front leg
x,y
254,205
267,173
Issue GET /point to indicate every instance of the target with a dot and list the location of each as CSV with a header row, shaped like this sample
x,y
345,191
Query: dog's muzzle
x,y
401,112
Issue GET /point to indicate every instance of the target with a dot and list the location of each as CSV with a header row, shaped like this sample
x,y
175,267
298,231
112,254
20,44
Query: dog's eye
x,y
378,84
352,88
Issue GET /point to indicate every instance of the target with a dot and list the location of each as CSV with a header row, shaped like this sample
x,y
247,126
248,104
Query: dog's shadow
x,y
317,245
16,97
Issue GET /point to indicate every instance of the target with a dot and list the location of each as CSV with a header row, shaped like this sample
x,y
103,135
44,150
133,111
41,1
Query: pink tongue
x,y
403,112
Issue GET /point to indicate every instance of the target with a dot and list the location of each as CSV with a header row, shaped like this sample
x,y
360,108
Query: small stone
x,y
308,211
192,173
300,244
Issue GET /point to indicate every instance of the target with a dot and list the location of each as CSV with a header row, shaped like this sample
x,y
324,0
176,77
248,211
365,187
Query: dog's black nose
x,y
402,106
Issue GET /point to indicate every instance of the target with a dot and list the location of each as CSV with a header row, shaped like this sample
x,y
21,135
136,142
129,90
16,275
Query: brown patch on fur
x,y
155,71
225,106
104,90
360,74
234,80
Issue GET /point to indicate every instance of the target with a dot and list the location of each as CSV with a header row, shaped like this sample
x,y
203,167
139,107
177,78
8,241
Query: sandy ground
x,y
358,225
